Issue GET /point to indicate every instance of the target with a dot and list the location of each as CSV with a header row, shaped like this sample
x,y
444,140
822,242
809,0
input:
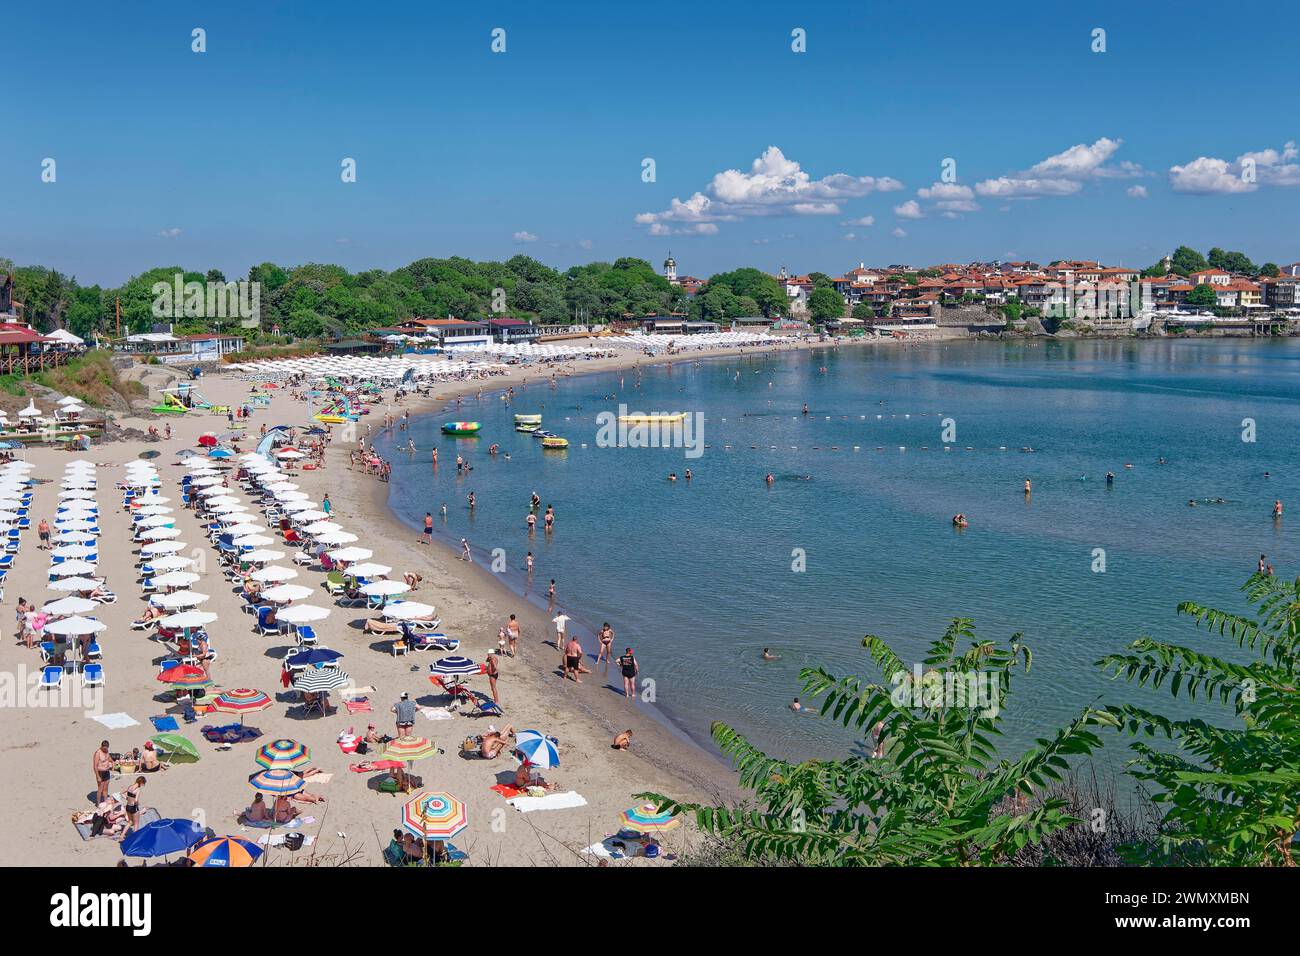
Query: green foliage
x,y
939,794
1203,294
1270,269
753,284
1186,260
825,303
864,311
1229,793
1231,261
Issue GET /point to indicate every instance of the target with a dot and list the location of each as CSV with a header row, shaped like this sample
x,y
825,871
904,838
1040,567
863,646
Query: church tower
x,y
670,269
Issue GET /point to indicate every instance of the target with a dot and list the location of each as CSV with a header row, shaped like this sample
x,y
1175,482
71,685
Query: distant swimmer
x,y
959,521
805,408
1267,475
795,705
1191,502
768,655
1128,464
1110,477
1161,461
689,476
1277,508
1028,486
535,501
1263,563
672,476
770,478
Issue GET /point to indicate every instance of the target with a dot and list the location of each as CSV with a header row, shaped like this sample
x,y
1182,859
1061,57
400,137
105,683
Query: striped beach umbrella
x,y
453,666
434,816
283,754
277,781
225,851
316,679
409,748
537,749
646,819
241,700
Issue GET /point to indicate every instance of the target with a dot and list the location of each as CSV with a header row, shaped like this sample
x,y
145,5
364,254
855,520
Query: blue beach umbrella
x,y
313,655
453,666
221,453
162,837
537,748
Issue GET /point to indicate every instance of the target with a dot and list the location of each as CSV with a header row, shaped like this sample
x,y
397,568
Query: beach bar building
x,y
180,349
23,350
507,330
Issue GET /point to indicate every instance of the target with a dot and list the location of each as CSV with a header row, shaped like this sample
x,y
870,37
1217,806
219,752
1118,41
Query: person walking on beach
x,y
325,504
464,551
573,659
512,633
102,765
629,668
493,672
43,530
428,528
560,621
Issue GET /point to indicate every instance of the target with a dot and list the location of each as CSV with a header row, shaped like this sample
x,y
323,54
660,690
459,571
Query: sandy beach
x,y
48,749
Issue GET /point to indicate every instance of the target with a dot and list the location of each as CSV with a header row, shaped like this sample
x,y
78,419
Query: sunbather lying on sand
x,y
494,742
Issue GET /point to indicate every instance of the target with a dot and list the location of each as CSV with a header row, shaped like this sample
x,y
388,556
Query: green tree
x,y
864,311
1270,269
1228,792
939,793
825,304
1203,294
1186,260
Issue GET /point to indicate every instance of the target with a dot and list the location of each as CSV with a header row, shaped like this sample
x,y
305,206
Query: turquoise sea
x,y
697,576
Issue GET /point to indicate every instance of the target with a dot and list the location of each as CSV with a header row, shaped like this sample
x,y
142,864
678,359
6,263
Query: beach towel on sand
x,y
506,790
165,722
552,801
117,721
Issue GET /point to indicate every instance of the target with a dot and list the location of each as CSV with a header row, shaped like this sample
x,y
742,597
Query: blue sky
x,y
232,157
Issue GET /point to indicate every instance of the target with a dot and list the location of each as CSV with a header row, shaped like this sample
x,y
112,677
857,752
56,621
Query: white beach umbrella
x,y
351,554
188,619
74,584
283,593
274,572
156,521
321,527
369,569
261,556
72,551
143,500
76,537
290,453
206,481
216,502
303,614
75,494
172,562
75,625
253,541
162,547
73,524
409,610
160,534
292,496
149,510
175,579
79,482
282,486
179,599
8,517
69,605
214,492
291,507
31,411
244,527
309,516
337,537
71,569
384,588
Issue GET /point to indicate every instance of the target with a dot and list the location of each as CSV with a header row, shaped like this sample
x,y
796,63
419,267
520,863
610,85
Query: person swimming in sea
x,y
672,476
1110,477
768,655
770,478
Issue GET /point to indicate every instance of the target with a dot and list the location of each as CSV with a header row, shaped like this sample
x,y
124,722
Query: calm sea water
x,y
698,576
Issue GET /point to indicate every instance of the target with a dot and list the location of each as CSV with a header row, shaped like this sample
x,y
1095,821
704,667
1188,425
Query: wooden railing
x,y
11,364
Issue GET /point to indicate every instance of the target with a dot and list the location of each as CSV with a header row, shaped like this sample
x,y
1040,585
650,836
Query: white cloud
x,y
1207,175
909,210
1006,187
584,243
899,232
773,186
860,221
171,233
849,236
1062,174
1137,192
342,241
694,229
524,236
947,191
951,206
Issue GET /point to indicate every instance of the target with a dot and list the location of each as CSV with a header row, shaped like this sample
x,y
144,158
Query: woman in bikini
x,y
133,801
606,651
